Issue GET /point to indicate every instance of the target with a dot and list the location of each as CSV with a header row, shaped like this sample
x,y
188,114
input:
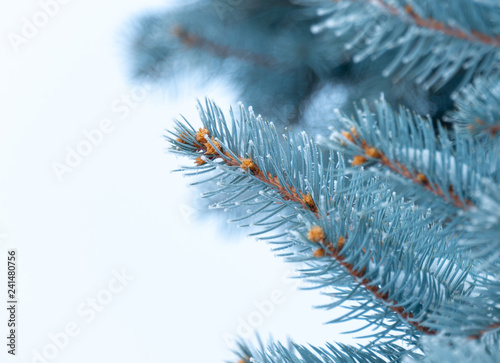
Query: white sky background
x,y
121,209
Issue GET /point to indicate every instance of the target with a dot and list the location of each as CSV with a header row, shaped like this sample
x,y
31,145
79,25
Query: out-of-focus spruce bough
x,y
267,48
433,40
395,215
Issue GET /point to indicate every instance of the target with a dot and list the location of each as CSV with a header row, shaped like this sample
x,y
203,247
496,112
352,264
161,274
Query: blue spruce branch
x,y
431,41
276,352
345,225
447,171
478,109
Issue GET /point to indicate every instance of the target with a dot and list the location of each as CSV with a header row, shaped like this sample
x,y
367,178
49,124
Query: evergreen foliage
x,y
393,209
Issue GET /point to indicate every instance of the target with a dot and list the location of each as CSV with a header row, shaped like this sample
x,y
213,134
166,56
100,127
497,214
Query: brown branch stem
x,y
287,192
421,179
375,290
481,333
484,127
193,40
432,24
372,153
213,150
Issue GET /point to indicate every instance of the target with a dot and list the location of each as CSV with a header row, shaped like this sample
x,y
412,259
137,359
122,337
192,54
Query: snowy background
x,y
117,259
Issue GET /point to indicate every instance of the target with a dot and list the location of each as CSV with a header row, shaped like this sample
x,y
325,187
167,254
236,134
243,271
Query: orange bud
x,y
359,160
340,242
372,152
248,164
348,136
316,234
319,253
210,149
422,178
200,135
180,138
199,161
309,201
